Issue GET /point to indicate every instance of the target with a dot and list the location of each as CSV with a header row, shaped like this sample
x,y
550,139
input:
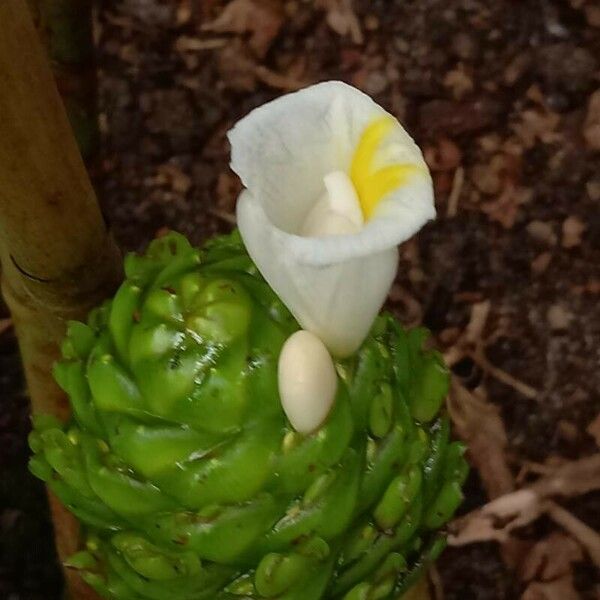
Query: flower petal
x,y
283,149
337,302
333,278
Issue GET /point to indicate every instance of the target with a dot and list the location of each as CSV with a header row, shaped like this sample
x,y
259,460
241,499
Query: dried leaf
x,y
435,583
183,13
558,317
487,177
459,83
593,429
572,230
591,127
584,534
551,558
237,69
276,80
497,519
505,208
227,190
541,262
479,316
480,426
342,19
542,232
455,192
447,156
537,125
559,589
171,175
593,189
571,478
592,15
259,19
186,43
451,118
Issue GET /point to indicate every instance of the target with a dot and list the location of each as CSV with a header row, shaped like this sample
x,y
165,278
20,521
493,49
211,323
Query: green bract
x,y
188,479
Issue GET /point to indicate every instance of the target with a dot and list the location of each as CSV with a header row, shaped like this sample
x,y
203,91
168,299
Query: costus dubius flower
x,y
333,184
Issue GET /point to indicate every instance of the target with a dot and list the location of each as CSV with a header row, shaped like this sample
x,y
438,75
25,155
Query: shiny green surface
x,y
189,480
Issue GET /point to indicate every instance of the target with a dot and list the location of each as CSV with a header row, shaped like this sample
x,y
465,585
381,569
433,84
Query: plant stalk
x,y
58,259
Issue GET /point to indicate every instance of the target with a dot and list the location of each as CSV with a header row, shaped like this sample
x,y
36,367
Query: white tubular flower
x,y
333,184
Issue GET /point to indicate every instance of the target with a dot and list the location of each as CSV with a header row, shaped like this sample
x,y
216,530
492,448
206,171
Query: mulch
x,y
504,99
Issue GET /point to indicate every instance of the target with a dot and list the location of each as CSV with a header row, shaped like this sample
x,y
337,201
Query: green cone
x,y
185,473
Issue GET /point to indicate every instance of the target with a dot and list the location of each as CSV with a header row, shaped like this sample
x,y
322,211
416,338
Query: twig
x,y
471,344
436,583
584,534
472,334
506,378
457,185
277,81
413,307
532,468
479,316
191,44
453,355
498,518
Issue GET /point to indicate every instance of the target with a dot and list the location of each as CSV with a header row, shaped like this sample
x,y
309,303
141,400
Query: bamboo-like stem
x,y
65,28
58,259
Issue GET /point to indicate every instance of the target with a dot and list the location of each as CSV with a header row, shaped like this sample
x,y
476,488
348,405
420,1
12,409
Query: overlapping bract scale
x,y
185,474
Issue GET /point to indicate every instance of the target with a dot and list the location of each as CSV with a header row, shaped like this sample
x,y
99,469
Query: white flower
x,y
333,184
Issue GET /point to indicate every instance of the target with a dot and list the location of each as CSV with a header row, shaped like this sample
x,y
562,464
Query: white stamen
x,y
342,197
307,381
337,212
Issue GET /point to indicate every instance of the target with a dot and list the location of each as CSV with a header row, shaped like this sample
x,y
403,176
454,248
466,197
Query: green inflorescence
x,y
185,473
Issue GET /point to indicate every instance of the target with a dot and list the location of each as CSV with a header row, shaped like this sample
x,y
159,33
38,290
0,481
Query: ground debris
x,y
591,128
504,514
342,19
447,117
538,124
558,317
542,232
541,263
479,425
259,18
572,230
593,429
584,534
562,588
550,558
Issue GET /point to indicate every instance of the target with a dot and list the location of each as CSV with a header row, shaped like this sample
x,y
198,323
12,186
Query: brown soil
x,y
499,96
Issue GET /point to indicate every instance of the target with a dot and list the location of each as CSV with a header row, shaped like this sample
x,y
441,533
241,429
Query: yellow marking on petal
x,y
371,186
369,142
384,181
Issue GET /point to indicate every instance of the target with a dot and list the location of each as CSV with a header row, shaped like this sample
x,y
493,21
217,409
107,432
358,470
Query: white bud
x,y
307,381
